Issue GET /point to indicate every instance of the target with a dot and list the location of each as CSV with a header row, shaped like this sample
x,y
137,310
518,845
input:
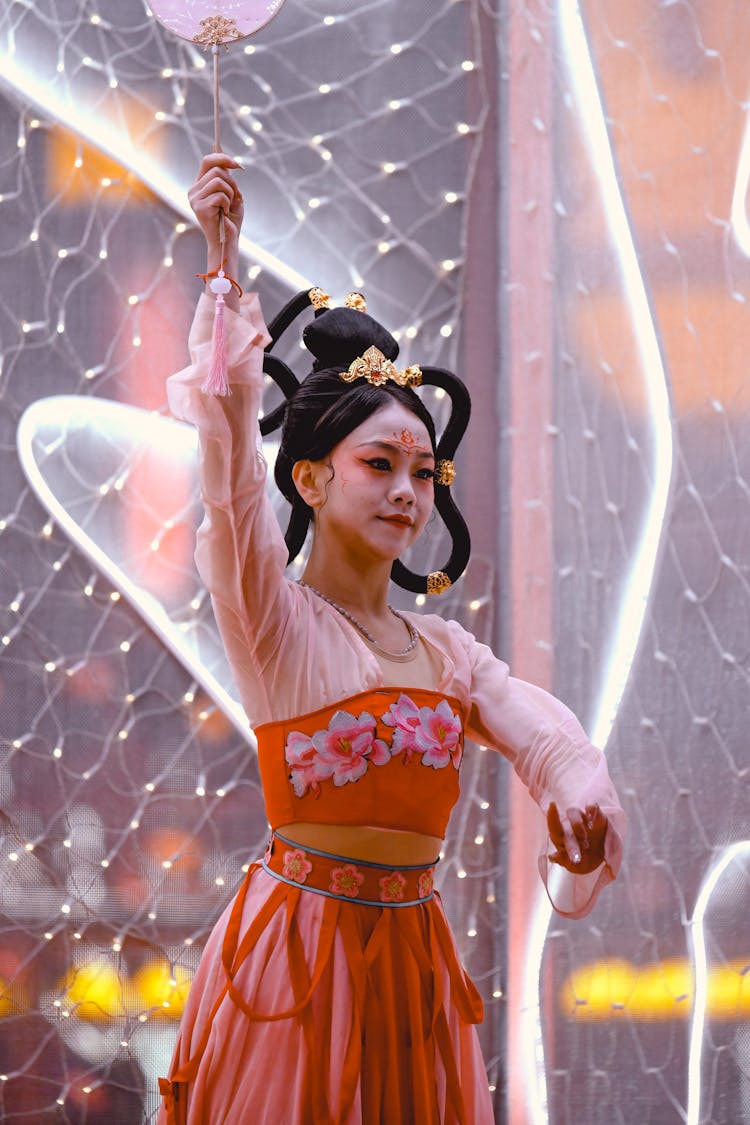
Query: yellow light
x,y
94,992
661,991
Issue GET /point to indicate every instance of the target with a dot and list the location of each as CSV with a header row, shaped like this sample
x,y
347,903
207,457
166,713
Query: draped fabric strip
x,y
399,1055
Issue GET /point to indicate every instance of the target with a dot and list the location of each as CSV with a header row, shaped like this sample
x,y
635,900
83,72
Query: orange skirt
x,y
315,1010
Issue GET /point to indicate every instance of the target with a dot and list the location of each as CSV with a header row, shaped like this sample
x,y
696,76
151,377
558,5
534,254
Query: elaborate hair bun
x,y
338,336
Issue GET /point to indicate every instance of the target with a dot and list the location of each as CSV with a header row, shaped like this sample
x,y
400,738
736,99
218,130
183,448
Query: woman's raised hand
x,y
215,191
579,839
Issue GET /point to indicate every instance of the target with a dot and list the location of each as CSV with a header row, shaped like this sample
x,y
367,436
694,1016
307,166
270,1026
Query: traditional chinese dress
x,y
331,991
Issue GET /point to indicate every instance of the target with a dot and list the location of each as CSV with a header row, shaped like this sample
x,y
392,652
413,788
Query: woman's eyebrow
x,y
401,447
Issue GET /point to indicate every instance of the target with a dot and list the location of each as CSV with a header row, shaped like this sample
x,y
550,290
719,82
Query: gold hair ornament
x,y
438,582
319,299
355,301
445,472
376,369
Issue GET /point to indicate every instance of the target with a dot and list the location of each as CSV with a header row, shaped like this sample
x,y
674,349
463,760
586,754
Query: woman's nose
x,y
402,489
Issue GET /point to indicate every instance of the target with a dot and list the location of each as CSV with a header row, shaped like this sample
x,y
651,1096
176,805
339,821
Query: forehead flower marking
x,y
408,443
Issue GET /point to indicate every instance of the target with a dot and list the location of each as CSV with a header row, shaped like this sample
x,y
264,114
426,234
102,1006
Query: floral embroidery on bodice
x,y
349,746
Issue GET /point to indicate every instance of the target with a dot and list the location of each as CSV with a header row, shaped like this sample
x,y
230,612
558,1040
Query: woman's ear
x,y
310,479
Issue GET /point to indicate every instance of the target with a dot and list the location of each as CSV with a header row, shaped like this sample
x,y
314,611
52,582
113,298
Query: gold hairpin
x,y
376,369
355,301
438,582
445,472
318,298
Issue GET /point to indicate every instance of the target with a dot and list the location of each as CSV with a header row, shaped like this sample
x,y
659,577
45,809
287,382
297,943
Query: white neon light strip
x,y
638,586
153,429
57,103
700,967
739,221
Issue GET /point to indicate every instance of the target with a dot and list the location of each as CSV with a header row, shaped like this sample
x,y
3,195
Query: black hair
x,y
323,409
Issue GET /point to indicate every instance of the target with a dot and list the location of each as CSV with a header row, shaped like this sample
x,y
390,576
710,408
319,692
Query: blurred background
x,y
548,198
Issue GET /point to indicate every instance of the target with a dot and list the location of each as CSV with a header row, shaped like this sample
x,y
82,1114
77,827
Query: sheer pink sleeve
x,y
240,553
556,762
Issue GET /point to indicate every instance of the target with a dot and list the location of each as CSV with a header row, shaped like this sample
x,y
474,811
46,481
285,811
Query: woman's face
x,y
382,491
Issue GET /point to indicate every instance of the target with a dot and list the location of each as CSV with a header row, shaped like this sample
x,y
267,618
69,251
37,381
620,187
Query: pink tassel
x,y
217,382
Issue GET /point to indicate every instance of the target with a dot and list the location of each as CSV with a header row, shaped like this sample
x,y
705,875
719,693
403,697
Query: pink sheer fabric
x,y
291,653
388,1033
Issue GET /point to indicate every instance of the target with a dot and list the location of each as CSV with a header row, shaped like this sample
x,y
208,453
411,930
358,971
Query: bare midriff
x,y
390,846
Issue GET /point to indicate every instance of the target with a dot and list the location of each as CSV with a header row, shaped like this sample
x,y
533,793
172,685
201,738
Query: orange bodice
x,y
386,758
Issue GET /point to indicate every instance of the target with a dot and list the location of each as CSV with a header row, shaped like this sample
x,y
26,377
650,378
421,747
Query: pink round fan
x,y
215,24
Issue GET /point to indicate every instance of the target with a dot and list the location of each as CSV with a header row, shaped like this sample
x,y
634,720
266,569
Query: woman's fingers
x,y
215,190
562,836
579,838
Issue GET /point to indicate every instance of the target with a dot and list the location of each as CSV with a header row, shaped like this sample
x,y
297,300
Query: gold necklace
x,y
413,634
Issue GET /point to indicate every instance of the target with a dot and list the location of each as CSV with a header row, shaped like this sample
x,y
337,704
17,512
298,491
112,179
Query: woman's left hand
x,y
579,838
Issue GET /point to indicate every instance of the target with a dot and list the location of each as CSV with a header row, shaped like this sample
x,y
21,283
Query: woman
x,y
331,990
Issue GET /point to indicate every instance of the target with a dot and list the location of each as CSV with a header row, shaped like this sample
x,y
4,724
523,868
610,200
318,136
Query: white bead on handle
x,y
220,284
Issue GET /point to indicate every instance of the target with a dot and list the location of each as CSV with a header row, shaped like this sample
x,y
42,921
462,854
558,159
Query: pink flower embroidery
x,y
342,752
425,883
296,866
392,887
346,880
404,716
306,772
436,735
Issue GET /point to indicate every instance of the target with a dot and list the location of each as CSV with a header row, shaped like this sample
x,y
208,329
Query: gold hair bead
x,y
445,472
319,299
376,369
355,301
438,582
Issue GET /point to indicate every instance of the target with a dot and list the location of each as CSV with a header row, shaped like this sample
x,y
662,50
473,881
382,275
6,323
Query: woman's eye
x,y
426,474
379,463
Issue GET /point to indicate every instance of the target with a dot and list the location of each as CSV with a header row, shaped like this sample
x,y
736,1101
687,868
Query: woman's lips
x,y
400,521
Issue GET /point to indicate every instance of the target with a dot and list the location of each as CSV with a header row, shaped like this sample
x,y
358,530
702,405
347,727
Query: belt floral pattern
x,y
346,749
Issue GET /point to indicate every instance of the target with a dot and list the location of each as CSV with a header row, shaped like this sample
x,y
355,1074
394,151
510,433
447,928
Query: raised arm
x,y
240,552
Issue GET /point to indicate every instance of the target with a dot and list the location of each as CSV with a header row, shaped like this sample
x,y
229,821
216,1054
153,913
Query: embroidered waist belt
x,y
351,880
387,758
